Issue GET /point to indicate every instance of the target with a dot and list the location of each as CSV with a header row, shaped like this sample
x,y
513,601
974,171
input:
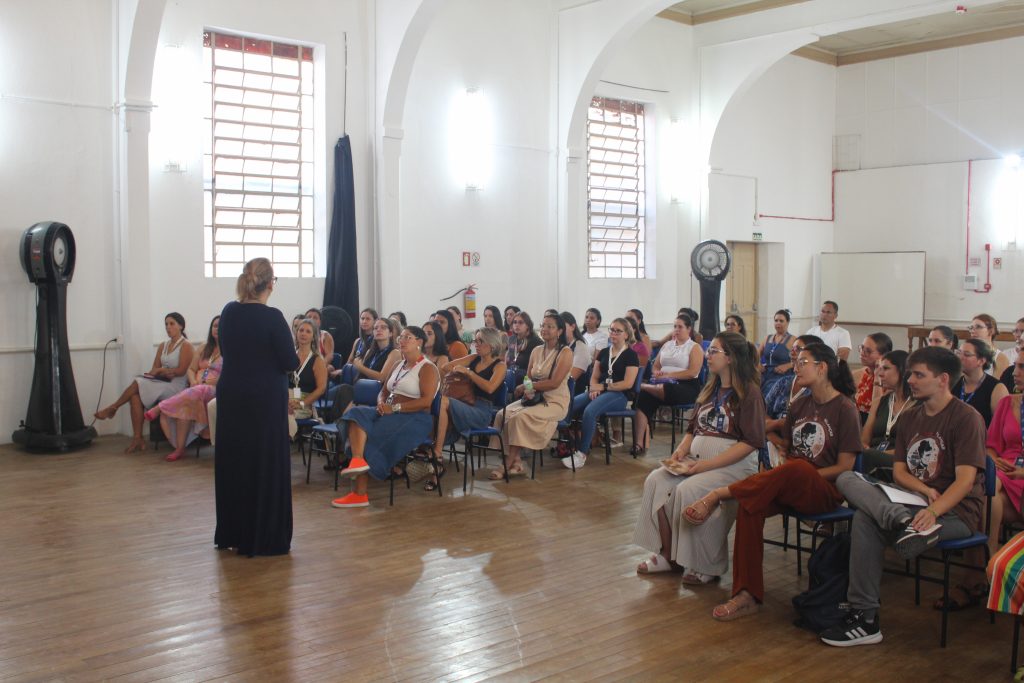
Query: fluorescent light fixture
x,y
471,135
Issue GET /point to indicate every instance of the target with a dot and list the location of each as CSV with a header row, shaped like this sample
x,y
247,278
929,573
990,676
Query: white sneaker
x,y
579,458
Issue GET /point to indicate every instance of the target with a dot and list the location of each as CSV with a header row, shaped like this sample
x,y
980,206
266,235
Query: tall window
x,y
615,187
258,159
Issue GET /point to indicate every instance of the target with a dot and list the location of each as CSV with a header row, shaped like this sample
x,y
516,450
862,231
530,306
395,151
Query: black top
x,y
487,373
307,379
626,359
522,359
981,398
1006,379
376,356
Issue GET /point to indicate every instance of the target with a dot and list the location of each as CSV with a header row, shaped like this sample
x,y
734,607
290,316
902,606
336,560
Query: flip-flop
x,y
498,474
691,513
732,610
655,564
692,578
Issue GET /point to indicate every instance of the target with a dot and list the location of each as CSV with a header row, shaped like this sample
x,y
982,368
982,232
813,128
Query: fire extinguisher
x,y
468,300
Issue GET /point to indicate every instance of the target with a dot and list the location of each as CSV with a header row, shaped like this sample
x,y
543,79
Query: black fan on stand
x,y
54,420
710,261
338,322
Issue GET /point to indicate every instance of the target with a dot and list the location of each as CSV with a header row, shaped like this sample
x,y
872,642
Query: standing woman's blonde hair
x,y
255,277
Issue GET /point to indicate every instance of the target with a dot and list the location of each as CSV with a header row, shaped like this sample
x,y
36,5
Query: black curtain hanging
x,y
342,285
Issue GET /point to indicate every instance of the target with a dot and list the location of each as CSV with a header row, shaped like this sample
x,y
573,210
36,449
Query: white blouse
x,y
406,381
676,357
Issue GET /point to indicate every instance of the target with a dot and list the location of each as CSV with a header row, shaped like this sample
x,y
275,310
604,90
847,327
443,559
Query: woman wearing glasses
x,y
611,386
872,349
521,344
976,387
532,426
485,371
379,437
823,433
720,448
778,399
984,327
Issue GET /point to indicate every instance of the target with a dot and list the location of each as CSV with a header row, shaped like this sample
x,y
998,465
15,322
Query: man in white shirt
x,y
830,333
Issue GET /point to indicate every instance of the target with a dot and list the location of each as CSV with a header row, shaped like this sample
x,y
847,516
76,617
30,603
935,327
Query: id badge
x,y
720,421
296,393
883,445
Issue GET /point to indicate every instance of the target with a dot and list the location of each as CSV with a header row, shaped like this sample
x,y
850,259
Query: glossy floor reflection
x,y
108,572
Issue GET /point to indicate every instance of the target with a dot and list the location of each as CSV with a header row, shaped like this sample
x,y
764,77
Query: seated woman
x,y
510,315
436,348
977,388
720,448
735,324
944,336
166,378
492,318
611,387
295,323
367,317
597,339
775,353
381,352
465,336
581,359
183,416
879,433
637,316
326,341
521,344
777,402
456,347
824,435
380,437
1007,379
673,380
643,351
532,426
399,318
984,327
872,349
485,371
309,382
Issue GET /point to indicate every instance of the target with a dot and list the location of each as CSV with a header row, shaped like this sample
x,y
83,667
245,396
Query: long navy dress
x,y
253,459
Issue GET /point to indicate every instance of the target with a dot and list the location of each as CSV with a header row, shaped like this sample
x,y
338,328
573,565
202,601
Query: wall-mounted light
x,y
471,133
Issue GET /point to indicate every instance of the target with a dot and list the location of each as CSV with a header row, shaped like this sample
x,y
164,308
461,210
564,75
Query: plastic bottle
x,y
527,387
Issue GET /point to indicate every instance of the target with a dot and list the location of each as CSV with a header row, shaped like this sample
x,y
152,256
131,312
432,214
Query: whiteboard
x,y
875,287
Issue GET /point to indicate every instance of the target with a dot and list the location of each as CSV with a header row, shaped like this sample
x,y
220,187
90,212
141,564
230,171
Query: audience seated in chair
x,y
456,347
364,339
326,341
673,379
165,379
309,382
484,371
720,448
636,315
436,348
380,437
832,334
521,344
824,439
492,319
778,399
944,336
382,351
611,386
984,327
735,324
977,388
940,457
183,416
581,359
775,353
597,338
871,350
532,426
878,436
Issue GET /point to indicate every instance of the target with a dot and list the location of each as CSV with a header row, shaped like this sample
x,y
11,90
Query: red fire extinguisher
x,y
469,302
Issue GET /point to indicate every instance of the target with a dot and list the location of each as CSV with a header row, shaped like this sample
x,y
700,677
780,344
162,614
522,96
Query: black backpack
x,y
824,604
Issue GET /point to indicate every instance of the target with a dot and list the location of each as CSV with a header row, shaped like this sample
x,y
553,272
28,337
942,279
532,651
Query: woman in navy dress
x,y
253,460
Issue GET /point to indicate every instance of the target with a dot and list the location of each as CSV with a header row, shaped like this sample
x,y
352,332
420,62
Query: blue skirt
x,y
389,438
465,416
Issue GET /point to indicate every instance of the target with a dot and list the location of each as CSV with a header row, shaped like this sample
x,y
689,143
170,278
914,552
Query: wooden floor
x,y
108,572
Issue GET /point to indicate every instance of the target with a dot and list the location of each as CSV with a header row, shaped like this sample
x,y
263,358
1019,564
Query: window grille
x,y
258,156
615,189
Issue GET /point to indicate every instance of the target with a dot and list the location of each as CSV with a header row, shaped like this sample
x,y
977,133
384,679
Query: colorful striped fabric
x,y
1007,592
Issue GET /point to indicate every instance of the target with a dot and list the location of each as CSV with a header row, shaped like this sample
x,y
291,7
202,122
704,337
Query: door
x,y
741,286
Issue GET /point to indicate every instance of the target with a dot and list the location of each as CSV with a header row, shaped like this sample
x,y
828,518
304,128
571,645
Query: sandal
x,y
656,564
636,450
972,597
731,610
516,470
692,578
692,513
432,484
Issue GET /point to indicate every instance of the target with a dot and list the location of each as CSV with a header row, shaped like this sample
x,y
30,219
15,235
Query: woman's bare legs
x,y
182,429
137,412
111,410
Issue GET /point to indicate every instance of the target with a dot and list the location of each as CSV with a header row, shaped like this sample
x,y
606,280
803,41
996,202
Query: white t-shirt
x,y
581,355
676,357
597,341
837,337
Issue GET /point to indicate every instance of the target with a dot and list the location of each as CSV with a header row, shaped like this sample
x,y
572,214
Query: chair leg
x,y
785,532
672,448
945,597
917,581
607,440
391,480
799,549
437,477
1016,643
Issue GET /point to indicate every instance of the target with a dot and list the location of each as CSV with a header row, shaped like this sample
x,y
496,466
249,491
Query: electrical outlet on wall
x,y
997,263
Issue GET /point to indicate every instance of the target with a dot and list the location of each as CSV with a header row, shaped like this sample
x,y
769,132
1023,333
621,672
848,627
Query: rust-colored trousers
x,y
795,486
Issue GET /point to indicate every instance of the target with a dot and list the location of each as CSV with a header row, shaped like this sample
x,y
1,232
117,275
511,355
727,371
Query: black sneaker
x,y
912,542
855,630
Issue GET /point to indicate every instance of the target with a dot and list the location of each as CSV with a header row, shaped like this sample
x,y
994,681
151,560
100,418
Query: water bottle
x,y
1019,462
528,387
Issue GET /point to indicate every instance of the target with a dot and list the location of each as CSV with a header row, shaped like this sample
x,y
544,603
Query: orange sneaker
x,y
355,466
352,500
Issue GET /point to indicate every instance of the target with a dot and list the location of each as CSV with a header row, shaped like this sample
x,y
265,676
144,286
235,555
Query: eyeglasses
x,y
797,349
616,330
714,350
518,322
480,342
965,354
406,337
865,349
975,328
804,362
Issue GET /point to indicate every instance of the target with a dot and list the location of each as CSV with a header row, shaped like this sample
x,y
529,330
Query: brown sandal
x,y
692,515
731,610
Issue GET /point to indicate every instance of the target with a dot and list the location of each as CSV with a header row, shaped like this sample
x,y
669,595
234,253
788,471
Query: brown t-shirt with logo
x,y
820,432
743,422
932,446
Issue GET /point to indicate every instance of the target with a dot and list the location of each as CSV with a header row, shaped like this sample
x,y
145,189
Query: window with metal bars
x,y
615,189
258,156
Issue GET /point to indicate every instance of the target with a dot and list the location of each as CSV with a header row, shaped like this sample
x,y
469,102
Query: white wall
x,y
57,123
913,123
176,216
777,137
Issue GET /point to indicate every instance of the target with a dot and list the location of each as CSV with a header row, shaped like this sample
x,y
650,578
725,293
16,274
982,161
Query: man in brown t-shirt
x,y
940,456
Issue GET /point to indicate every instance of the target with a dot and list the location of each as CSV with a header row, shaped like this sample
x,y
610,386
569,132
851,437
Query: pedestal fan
x,y
710,261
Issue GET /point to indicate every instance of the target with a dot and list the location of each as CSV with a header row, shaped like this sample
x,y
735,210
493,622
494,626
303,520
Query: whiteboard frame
x,y
924,284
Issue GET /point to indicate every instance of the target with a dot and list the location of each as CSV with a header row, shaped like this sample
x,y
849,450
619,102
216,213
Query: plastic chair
x,y
469,435
622,414
365,394
428,443
958,545
679,410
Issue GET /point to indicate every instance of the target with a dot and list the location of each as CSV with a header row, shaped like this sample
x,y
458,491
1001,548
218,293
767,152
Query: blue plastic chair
x,y
563,429
958,545
365,394
428,443
679,410
469,435
629,413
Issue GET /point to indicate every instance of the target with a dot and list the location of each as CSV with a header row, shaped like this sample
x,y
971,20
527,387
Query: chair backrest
x,y
366,392
636,385
511,382
705,344
501,394
858,463
349,374
572,386
702,376
435,407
